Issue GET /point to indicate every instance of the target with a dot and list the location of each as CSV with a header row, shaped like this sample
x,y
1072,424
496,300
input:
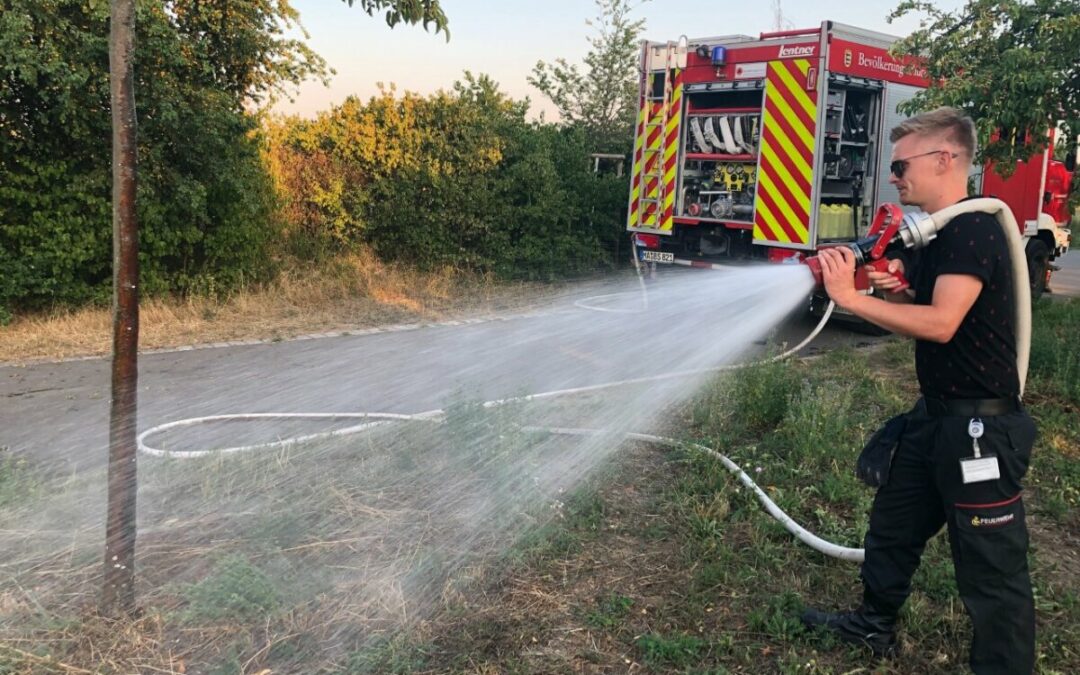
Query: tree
x,y
1011,64
242,47
603,99
118,586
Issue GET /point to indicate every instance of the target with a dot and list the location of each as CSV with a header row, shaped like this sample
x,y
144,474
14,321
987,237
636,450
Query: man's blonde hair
x,y
950,123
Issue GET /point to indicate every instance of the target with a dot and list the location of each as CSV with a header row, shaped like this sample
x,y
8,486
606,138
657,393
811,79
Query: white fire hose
x,y
695,129
924,227
729,139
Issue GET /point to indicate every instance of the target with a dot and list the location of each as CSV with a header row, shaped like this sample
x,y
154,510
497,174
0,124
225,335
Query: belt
x,y
971,407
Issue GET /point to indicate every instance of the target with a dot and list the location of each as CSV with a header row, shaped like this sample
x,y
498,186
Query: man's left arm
x,y
953,297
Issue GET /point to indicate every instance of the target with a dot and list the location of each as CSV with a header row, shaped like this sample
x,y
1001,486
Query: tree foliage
x,y
602,98
242,48
205,203
458,178
1013,65
204,200
426,12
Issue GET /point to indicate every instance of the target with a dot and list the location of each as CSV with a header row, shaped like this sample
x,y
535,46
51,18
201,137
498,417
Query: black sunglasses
x,y
899,166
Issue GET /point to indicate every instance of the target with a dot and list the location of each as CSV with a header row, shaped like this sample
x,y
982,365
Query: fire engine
x,y
771,147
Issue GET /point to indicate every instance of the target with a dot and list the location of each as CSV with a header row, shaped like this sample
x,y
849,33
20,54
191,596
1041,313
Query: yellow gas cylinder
x,y
837,226
843,226
832,220
824,212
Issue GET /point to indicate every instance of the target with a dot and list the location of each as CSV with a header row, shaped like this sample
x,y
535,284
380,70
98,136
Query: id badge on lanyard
x,y
980,467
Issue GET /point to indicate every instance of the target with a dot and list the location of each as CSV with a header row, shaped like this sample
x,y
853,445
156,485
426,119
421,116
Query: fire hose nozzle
x,y
862,269
814,263
917,229
891,229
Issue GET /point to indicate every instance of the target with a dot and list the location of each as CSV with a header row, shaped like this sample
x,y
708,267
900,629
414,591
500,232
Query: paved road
x,y
1065,283
58,411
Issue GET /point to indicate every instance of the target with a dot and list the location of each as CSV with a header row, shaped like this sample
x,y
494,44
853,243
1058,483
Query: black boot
x,y
863,626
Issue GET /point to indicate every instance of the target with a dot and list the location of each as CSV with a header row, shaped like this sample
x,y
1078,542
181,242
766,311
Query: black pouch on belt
x,y
875,459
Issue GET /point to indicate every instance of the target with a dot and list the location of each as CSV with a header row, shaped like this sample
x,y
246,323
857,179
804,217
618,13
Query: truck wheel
x,y
1038,260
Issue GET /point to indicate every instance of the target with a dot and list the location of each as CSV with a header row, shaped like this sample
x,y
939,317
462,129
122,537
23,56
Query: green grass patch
x,y
1055,354
235,590
386,656
762,393
779,617
610,611
678,651
1053,397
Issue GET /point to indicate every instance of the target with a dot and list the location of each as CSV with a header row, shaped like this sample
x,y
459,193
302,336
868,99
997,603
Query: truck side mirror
x,y
1070,162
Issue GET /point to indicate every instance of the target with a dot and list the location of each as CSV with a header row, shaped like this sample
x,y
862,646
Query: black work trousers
x,y
986,528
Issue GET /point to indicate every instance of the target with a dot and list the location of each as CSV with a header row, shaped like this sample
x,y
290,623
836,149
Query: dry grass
x,y
354,291
300,563
658,563
113,646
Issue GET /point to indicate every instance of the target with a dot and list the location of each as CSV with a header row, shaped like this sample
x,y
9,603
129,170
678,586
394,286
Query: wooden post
x,y
118,592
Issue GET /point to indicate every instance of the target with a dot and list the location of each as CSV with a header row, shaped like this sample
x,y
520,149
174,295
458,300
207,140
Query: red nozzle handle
x,y
814,264
862,279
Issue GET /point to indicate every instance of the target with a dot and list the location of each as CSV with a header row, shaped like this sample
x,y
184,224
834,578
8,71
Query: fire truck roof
x,y
845,31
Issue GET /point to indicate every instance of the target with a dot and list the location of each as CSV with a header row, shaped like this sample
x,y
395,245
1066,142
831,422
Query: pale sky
x,y
505,39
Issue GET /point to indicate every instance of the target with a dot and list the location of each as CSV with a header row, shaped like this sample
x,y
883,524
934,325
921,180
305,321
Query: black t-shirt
x,y
980,360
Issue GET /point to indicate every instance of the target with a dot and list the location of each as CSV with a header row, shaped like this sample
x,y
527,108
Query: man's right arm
x,y
953,297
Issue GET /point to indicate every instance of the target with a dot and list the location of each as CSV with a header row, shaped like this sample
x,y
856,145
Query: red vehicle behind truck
x,y
770,147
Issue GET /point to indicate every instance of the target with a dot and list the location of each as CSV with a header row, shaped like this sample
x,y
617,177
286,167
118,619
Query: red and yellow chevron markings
x,y
656,156
672,133
644,113
785,176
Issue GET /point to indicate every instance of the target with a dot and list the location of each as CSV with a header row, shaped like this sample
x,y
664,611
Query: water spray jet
x,y
892,230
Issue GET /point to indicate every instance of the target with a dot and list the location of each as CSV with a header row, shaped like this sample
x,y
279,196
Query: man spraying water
x,y
965,446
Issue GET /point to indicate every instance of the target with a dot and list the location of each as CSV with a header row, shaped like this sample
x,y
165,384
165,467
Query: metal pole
x,y
118,591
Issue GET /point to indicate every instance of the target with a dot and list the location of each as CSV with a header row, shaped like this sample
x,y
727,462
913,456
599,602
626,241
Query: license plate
x,y
657,256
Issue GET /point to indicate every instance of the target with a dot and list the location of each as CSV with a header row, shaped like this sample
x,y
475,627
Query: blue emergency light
x,y
719,56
